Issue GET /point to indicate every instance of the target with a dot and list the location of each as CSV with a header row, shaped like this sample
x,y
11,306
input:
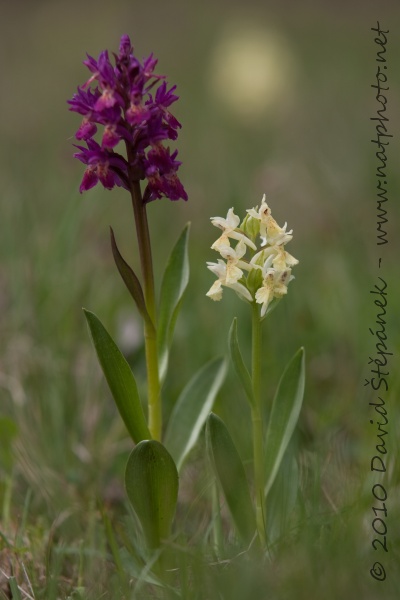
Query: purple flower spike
x,y
121,102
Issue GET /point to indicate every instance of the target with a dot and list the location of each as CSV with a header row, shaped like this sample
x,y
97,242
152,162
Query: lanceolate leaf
x,y
192,408
284,415
238,363
173,285
230,473
130,279
119,378
151,482
283,495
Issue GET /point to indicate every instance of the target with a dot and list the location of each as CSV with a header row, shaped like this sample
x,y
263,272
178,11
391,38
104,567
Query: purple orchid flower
x,y
110,168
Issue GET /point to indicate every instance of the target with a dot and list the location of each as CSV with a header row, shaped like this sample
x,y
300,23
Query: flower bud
x,y
251,227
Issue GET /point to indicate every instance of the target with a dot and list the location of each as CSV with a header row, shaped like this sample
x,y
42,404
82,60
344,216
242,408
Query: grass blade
x,y
14,589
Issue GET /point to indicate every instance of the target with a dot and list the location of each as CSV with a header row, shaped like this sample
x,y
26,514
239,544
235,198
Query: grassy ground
x,y
66,529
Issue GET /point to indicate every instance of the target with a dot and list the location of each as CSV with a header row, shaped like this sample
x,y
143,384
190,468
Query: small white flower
x,y
270,231
220,270
273,256
215,291
233,262
277,256
283,259
274,286
228,226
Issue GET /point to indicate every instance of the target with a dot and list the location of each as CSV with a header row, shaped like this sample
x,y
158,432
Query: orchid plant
x,y
122,141
261,280
130,105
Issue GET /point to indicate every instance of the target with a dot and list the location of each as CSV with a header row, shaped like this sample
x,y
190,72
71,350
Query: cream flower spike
x,y
228,226
270,231
270,259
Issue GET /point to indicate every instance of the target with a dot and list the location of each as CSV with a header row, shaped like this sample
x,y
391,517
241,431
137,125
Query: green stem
x,y
256,417
150,335
143,236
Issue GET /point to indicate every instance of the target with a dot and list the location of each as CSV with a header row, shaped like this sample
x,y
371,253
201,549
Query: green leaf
x,y
230,473
119,378
238,362
131,281
192,408
284,415
173,285
283,495
151,482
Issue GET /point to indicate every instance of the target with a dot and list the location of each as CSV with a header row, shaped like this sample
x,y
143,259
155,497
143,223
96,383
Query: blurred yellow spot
x,y
252,72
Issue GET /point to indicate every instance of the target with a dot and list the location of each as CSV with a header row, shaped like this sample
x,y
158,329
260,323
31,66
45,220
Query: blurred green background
x,y
275,99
